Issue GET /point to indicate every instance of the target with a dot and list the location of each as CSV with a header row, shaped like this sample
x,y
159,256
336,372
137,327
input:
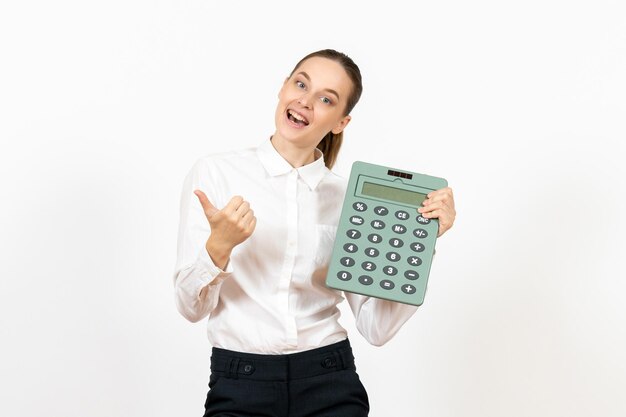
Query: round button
x,y
247,368
402,215
358,220
381,211
420,233
371,252
390,270
359,206
398,228
393,256
354,234
374,238
417,247
368,266
386,284
414,261
396,243
346,261
344,275
350,247
408,289
422,220
377,224
412,275
366,280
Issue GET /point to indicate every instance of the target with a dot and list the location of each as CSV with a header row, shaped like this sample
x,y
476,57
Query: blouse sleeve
x,y
197,280
378,320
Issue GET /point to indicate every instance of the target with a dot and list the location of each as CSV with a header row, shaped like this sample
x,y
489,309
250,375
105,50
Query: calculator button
x,y
422,220
402,215
408,289
381,211
371,252
392,256
368,266
412,275
344,275
359,206
374,238
421,233
413,260
417,247
347,261
354,234
386,284
366,280
398,228
390,270
358,220
350,247
396,243
377,224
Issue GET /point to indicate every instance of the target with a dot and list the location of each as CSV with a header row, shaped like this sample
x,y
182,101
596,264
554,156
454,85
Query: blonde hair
x,y
331,143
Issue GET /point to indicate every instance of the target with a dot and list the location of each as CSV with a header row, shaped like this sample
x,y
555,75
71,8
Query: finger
x,y
248,219
444,194
434,206
444,216
251,226
442,229
233,204
207,206
433,214
243,208
445,220
445,190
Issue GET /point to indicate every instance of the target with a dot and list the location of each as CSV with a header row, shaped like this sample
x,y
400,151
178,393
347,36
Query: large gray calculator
x,y
384,247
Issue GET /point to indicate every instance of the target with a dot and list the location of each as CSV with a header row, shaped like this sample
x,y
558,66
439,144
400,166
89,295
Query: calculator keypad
x,y
354,234
396,243
393,265
366,280
381,211
402,215
383,246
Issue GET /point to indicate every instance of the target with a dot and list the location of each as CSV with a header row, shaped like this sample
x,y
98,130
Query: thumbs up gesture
x,y
230,226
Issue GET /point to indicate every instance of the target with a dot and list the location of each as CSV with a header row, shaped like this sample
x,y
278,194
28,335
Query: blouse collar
x,y
276,165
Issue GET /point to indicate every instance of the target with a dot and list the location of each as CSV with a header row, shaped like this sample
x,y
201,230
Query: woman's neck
x,y
297,157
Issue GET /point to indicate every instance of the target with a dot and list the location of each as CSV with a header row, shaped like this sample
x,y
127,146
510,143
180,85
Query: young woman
x,y
256,232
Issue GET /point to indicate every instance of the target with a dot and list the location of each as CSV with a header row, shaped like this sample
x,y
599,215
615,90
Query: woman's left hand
x,y
440,205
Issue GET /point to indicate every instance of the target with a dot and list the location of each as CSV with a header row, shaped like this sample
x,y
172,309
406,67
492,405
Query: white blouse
x,y
272,297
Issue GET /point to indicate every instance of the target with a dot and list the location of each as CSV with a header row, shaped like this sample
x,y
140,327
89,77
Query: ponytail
x,y
330,146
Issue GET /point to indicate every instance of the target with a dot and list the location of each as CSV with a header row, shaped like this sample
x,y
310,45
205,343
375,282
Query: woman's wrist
x,y
219,253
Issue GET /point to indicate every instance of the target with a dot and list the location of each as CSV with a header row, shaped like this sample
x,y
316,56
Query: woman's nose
x,y
305,100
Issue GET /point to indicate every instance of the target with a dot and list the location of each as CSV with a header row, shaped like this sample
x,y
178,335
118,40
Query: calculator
x,y
384,248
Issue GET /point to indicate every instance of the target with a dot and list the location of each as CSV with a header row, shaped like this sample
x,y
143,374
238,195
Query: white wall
x,y
104,106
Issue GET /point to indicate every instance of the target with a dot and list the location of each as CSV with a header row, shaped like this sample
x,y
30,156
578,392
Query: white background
x,y
104,107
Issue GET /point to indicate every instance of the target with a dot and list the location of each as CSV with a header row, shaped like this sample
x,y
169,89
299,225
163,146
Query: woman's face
x,y
311,103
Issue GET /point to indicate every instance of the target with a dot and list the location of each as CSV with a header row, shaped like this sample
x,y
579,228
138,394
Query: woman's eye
x,y
326,100
300,84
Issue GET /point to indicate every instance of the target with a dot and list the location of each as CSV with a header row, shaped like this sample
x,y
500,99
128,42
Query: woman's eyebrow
x,y
330,90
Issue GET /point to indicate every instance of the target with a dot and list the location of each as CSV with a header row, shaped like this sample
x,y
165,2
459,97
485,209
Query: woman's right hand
x,y
230,226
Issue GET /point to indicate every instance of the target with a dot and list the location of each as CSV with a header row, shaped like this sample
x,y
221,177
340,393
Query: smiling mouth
x,y
297,118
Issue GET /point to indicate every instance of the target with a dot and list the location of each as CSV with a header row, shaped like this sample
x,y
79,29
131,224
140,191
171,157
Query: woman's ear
x,y
341,125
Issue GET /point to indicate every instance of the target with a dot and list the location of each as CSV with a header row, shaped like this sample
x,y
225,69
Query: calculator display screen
x,y
393,194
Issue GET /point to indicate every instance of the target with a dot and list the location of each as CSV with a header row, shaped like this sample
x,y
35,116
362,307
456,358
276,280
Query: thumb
x,y
209,209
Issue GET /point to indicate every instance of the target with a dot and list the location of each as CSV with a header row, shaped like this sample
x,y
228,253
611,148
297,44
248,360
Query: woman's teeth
x,y
295,117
